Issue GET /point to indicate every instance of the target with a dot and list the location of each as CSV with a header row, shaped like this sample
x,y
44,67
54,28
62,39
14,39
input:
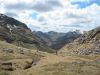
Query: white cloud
x,y
61,16
80,0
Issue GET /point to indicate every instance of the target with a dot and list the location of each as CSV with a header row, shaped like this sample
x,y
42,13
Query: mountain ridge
x,y
57,40
16,32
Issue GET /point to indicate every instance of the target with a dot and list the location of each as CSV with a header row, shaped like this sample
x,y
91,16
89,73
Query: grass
x,y
3,72
18,56
70,65
74,68
47,63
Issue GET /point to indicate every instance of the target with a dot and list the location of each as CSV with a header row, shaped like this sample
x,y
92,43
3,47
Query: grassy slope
x,y
49,64
69,65
18,56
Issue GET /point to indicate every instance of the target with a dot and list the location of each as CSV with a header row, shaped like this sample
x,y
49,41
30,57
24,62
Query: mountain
x,y
57,40
16,32
19,55
87,44
67,38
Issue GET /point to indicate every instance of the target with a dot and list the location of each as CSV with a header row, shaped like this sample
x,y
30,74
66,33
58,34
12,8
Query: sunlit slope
x,y
13,57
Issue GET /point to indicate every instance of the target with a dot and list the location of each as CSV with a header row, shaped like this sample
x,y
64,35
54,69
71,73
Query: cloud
x,y
41,7
53,3
54,15
37,5
46,6
18,6
11,14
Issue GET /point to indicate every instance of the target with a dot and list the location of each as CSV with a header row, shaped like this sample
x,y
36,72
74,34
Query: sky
x,y
54,15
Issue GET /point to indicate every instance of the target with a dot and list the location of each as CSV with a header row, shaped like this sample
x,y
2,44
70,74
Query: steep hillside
x,y
13,57
15,32
88,43
44,37
57,40
67,38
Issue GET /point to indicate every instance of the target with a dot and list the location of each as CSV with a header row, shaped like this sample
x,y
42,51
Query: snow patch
x,y
10,27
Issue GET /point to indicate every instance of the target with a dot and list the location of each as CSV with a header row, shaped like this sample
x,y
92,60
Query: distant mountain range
x,y
57,40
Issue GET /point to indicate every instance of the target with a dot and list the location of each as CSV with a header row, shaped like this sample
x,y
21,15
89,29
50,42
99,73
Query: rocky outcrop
x,y
91,36
87,44
6,66
16,64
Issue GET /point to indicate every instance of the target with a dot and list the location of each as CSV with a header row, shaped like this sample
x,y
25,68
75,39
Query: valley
x,y
23,52
57,40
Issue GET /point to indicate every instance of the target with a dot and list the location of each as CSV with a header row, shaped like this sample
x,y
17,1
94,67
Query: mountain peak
x,y
16,32
11,22
2,14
